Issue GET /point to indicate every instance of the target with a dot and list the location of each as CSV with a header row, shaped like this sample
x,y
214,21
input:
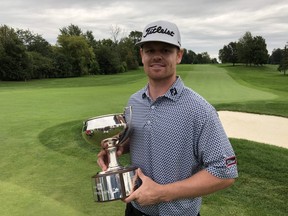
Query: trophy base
x,y
114,185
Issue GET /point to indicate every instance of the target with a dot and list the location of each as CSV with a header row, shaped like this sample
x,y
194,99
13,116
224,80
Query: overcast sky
x,y
205,25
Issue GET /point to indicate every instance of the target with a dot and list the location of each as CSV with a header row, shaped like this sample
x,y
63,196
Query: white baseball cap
x,y
161,31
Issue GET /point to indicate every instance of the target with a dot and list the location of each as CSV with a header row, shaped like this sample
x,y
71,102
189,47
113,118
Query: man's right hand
x,y
103,156
103,160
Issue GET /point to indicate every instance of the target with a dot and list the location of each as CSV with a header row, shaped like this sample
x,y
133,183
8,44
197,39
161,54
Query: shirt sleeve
x,y
216,152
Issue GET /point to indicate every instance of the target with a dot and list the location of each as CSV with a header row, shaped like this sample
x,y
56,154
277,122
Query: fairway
x,y
45,165
216,86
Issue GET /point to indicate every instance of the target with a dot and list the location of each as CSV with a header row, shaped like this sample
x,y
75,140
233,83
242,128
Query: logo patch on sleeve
x,y
230,161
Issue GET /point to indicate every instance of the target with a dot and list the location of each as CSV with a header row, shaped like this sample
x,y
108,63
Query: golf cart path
x,y
260,128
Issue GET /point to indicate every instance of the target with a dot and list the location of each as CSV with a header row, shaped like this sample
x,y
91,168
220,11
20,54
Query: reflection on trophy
x,y
118,181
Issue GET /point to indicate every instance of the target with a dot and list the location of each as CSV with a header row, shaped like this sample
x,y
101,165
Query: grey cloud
x,y
205,25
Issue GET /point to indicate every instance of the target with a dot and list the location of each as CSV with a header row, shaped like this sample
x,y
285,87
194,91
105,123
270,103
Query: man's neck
x,y
158,88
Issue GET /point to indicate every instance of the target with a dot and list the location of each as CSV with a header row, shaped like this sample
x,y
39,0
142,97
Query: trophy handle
x,y
125,134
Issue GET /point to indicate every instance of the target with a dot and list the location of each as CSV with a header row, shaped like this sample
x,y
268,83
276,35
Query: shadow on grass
x,y
66,139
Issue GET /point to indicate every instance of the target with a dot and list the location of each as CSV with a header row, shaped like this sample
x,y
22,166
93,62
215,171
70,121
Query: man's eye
x,y
166,50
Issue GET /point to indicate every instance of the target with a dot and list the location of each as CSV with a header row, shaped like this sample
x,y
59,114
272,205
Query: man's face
x,y
160,60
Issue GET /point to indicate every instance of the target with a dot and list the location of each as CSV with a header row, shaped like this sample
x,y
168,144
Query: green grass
x,y
266,79
218,87
261,188
46,167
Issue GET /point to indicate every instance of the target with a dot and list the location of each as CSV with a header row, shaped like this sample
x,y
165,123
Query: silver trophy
x,y
117,182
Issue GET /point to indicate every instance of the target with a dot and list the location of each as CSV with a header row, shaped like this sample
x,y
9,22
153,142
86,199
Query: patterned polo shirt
x,y
173,138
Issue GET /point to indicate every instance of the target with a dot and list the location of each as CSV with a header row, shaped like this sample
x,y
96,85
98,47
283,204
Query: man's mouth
x,y
157,65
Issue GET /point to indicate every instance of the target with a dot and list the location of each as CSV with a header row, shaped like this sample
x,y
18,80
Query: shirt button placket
x,y
149,121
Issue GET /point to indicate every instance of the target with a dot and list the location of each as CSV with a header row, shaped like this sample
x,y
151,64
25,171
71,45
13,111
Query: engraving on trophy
x,y
113,130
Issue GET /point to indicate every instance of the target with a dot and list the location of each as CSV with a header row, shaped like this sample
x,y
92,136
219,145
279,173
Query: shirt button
x,y
148,122
153,107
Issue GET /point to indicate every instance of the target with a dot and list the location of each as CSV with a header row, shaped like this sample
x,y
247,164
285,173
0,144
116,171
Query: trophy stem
x,y
113,159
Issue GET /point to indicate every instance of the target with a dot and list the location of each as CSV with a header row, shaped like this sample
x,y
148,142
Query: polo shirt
x,y
173,138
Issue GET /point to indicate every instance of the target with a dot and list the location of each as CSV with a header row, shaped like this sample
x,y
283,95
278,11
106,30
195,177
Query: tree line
x,y
25,55
252,50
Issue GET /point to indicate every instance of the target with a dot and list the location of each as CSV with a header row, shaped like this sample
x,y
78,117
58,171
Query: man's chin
x,y
157,69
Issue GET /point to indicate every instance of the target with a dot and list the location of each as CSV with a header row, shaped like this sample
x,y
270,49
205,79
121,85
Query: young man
x,y
178,141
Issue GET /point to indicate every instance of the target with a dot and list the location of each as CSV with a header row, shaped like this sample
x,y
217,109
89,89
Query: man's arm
x,y
202,183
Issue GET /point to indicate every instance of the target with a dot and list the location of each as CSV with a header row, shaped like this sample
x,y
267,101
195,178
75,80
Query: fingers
x,y
103,157
103,160
120,151
104,144
148,193
130,198
140,174
135,194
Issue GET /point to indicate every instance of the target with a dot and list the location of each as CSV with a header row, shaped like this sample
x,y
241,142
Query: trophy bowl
x,y
117,182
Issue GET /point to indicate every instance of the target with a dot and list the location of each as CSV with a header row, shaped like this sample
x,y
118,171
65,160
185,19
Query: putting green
x,y
215,85
22,201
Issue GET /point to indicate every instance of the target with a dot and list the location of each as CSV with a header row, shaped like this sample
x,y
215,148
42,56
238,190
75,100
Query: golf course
x,y
46,166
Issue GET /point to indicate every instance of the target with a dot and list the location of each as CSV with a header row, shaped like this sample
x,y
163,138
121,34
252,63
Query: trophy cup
x,y
116,182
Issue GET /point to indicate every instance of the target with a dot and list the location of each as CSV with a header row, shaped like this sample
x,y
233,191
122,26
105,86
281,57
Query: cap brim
x,y
140,43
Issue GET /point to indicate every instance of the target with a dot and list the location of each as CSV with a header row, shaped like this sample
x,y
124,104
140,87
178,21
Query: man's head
x,y
161,31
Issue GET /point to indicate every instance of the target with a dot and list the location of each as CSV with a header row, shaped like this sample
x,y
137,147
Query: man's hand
x,y
200,184
148,193
103,156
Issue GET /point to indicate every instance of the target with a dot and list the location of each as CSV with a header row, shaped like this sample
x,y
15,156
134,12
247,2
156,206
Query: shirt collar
x,y
173,93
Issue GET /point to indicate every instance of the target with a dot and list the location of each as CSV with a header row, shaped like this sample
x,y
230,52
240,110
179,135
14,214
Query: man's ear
x,y
179,55
141,54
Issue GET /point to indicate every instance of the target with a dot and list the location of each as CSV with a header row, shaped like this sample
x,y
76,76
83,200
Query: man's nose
x,y
157,56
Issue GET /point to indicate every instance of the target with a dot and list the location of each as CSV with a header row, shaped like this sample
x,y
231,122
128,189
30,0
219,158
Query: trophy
x,y
116,182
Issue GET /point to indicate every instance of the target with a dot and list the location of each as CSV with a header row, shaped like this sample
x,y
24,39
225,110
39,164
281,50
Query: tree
x,y
14,61
128,53
109,61
115,31
188,57
229,53
259,51
135,36
41,66
191,55
34,42
283,67
252,50
77,49
276,56
39,52
62,66
202,58
71,30
244,48
90,39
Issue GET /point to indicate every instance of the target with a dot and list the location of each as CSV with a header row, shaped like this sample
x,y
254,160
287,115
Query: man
x,y
177,142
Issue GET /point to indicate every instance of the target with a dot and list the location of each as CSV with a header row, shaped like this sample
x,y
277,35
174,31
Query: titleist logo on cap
x,y
158,29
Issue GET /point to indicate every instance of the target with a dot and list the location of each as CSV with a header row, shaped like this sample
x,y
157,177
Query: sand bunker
x,y
260,128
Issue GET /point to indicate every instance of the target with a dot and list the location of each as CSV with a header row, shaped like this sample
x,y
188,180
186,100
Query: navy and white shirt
x,y
173,138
